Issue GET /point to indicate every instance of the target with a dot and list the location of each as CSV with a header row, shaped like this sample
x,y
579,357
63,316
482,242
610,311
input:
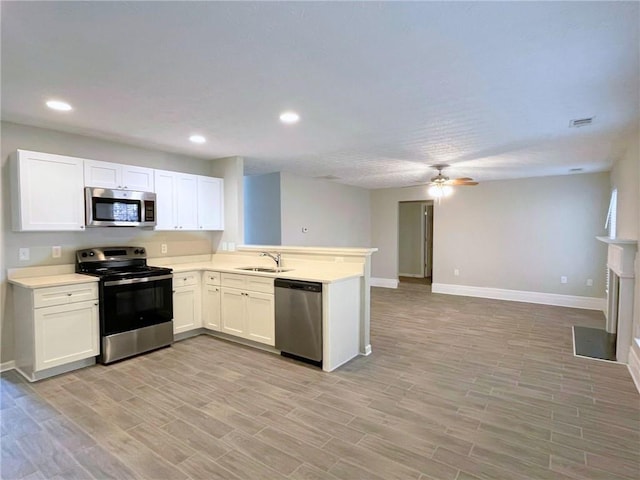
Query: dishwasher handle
x,y
298,285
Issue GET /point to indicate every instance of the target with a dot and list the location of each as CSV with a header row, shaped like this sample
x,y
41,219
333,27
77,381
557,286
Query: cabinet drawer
x,y
233,280
253,283
259,284
185,279
50,296
211,278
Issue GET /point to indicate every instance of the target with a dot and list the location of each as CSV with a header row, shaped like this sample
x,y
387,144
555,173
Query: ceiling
x,y
384,89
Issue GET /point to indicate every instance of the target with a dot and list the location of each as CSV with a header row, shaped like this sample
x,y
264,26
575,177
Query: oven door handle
x,y
129,281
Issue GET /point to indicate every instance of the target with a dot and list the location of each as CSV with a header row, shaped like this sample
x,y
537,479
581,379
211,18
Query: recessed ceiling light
x,y
59,105
289,117
197,139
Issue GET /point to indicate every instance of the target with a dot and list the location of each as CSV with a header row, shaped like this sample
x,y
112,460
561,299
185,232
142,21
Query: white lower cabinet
x,y
211,301
260,317
186,302
233,312
65,333
55,327
248,311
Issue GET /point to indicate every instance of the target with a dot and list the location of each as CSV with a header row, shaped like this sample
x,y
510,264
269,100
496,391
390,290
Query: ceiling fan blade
x,y
461,181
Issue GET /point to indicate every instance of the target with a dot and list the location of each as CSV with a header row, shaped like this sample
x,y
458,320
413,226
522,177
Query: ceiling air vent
x,y
327,177
581,122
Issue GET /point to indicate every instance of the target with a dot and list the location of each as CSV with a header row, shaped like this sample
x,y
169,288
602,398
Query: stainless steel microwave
x,y
119,208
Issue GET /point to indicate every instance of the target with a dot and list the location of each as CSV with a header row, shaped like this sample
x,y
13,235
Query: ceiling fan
x,y
441,185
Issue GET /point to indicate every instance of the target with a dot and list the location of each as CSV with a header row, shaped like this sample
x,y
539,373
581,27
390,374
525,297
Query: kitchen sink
x,y
263,269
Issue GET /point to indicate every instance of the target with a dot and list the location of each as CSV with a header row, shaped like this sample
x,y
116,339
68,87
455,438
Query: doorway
x,y
415,242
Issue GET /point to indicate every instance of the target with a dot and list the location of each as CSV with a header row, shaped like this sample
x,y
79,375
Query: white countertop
x,y
320,273
53,280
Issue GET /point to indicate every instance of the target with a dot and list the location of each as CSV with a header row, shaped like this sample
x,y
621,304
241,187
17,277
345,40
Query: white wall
x,y
336,215
16,136
512,234
624,177
232,170
262,224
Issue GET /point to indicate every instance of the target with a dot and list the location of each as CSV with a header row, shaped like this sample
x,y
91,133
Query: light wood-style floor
x,y
456,388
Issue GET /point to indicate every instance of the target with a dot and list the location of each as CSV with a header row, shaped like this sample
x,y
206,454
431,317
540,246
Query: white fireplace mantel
x,y
621,255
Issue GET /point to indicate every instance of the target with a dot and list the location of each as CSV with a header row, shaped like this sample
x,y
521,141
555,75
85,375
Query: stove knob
x,y
91,254
142,251
136,251
84,254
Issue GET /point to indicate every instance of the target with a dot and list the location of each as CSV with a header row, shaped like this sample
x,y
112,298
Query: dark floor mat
x,y
594,343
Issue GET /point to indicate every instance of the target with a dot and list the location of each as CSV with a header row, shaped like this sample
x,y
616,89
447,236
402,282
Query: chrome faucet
x,y
276,258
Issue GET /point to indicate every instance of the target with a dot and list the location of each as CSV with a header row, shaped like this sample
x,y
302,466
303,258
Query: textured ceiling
x,y
384,89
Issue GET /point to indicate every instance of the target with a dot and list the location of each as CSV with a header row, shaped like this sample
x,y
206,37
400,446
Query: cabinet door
x,y
210,203
260,318
165,186
47,192
211,308
186,314
102,174
232,311
66,333
187,201
137,178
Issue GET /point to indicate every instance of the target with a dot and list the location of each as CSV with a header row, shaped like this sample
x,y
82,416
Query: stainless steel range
x,y
136,301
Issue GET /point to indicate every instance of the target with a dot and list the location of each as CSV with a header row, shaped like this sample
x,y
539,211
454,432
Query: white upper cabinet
x,y
165,183
47,192
118,176
210,203
188,202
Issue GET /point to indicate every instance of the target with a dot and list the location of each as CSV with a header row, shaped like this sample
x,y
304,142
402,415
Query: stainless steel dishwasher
x,y
298,310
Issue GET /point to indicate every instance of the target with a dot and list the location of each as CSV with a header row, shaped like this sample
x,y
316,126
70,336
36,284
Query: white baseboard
x,y
634,364
384,282
367,351
574,301
412,275
6,366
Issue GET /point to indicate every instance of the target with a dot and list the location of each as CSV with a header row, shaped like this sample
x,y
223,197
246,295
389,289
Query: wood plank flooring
x,y
456,389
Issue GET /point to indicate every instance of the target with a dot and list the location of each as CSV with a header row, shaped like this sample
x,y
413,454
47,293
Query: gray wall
x,y
16,136
262,224
336,215
511,234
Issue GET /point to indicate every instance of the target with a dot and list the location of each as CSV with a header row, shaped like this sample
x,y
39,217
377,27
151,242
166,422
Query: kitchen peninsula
x,y
201,280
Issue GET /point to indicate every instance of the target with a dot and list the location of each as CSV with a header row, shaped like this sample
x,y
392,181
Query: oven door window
x,y
116,210
136,305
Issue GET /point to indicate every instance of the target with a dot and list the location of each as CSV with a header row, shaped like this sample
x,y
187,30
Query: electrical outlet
x,y
563,279
24,254
56,252
224,246
589,282
232,247
456,272
163,248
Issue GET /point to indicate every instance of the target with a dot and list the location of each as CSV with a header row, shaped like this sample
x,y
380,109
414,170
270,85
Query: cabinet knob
x,y
180,226
81,227
125,187
96,304
68,294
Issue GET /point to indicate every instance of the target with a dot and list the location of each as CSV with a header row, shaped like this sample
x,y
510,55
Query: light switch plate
x,y
24,254
56,251
163,248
